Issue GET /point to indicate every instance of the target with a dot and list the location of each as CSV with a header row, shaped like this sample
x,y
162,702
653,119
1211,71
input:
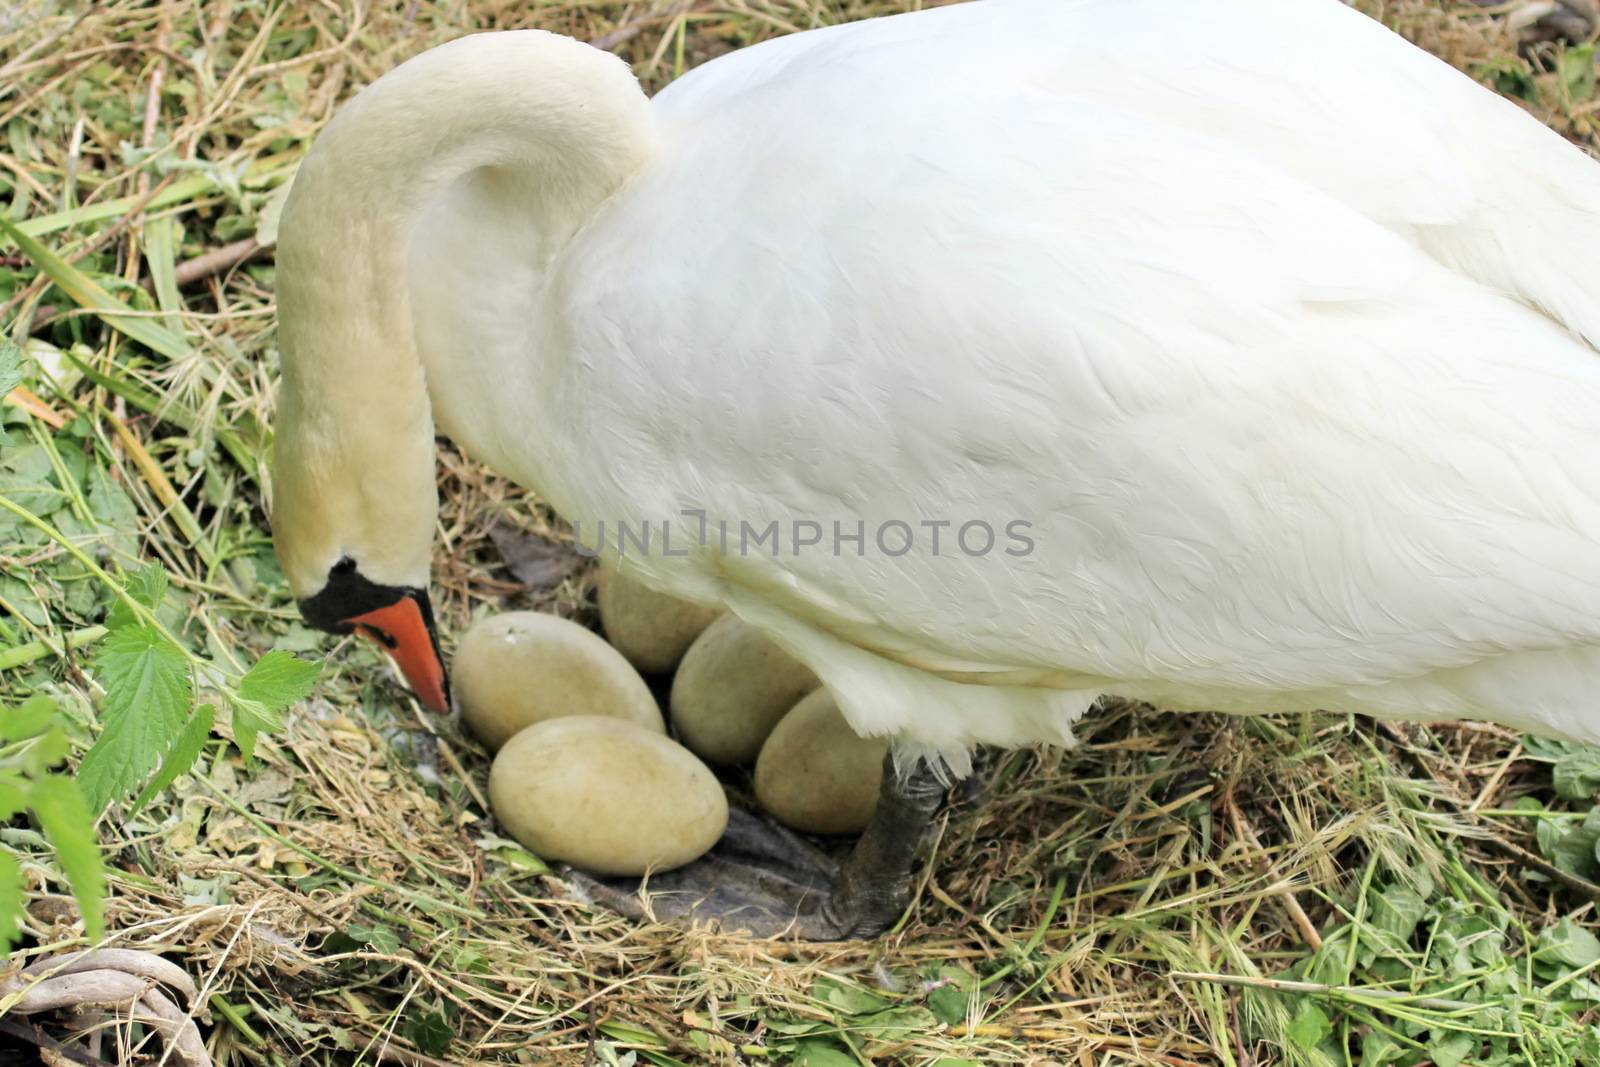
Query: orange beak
x,y
405,630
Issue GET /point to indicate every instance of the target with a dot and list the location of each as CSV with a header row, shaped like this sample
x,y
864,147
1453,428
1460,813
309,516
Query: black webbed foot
x,y
767,881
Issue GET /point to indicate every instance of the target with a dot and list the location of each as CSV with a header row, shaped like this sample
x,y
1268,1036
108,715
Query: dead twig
x,y
1243,831
215,261
114,979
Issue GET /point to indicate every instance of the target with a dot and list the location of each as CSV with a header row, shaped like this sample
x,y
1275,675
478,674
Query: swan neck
x,y
560,122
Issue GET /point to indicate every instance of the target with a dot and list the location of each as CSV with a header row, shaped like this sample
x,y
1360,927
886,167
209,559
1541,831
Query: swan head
x,y
355,545
397,618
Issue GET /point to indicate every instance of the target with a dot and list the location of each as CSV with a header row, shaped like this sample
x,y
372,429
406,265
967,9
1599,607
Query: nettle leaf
x,y
181,757
278,679
68,825
147,585
149,692
251,719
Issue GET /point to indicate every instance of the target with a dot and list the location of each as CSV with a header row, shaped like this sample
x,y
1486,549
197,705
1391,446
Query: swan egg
x,y
815,774
732,688
523,667
652,630
607,796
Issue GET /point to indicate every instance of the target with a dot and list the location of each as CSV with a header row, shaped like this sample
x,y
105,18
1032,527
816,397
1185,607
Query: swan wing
x,y
1313,86
1246,343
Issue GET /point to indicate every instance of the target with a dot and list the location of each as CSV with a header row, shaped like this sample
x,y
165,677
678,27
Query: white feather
x,y
1279,333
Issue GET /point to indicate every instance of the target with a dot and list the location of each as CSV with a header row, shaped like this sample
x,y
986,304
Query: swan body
x,y
1272,365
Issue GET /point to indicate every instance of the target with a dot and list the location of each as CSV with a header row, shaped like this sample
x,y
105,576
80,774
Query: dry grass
x,y
338,905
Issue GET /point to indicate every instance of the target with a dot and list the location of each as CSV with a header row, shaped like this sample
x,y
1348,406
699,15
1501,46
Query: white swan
x,y
1273,336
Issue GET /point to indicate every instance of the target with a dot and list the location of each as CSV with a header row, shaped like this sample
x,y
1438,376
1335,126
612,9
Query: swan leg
x,y
765,880
874,882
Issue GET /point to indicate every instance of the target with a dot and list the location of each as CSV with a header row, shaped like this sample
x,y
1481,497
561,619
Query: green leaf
x,y
47,750
1450,1050
949,1004
88,294
378,938
1510,77
270,214
10,365
1575,68
14,791
1546,748
1397,910
470,961
161,236
1310,1026
118,520
1576,774
1378,1049
1569,846
147,585
431,1031
789,1027
251,718
30,720
176,193
278,679
895,1023
69,827
149,692
1567,943
812,1052
13,903
847,997
180,757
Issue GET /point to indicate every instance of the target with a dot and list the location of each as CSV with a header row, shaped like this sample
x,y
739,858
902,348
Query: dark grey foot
x,y
768,882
